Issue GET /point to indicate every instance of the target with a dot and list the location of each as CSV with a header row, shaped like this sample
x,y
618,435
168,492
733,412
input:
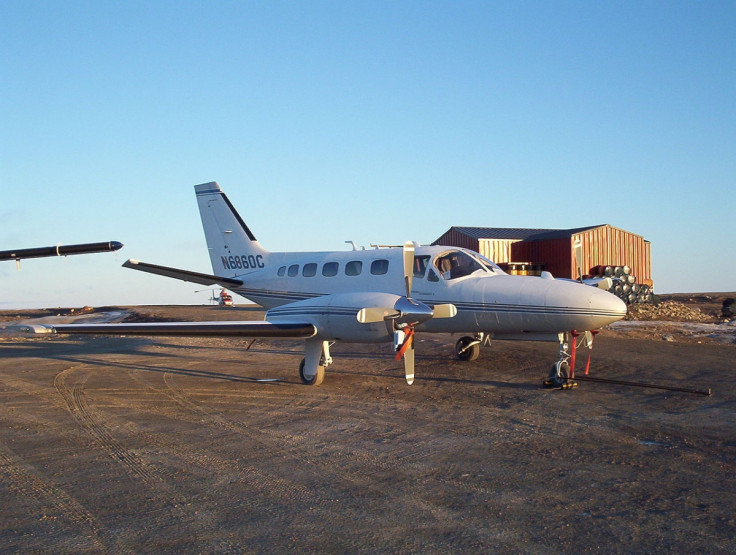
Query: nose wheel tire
x,y
467,348
559,376
317,379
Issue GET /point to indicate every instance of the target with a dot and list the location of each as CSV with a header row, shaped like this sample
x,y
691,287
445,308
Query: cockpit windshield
x,y
490,264
456,264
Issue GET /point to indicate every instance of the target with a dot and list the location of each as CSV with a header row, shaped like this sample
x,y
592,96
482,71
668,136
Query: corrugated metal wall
x,y
601,246
604,245
608,245
498,250
553,254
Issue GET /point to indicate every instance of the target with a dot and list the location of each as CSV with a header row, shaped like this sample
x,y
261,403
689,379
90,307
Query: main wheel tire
x,y
464,352
317,379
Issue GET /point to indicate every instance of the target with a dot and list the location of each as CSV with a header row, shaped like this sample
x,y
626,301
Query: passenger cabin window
x,y
282,271
293,270
353,268
420,265
456,264
330,269
309,270
379,267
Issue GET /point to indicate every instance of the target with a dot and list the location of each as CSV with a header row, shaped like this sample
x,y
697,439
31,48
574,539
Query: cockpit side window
x,y
420,265
456,264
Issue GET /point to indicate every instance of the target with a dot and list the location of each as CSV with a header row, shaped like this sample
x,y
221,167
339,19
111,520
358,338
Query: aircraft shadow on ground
x,y
46,350
425,378
163,369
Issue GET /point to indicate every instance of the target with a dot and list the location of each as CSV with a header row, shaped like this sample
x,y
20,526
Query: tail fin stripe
x,y
237,216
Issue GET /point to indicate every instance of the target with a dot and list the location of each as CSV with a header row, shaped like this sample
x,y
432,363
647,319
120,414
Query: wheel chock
x,y
555,384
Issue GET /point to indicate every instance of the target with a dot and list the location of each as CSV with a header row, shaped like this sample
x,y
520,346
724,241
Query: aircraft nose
x,y
606,307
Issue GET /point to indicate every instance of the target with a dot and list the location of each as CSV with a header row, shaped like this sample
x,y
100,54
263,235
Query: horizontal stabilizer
x,y
187,329
184,275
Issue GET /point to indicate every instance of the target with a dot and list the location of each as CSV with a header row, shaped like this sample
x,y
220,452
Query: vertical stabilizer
x,y
233,249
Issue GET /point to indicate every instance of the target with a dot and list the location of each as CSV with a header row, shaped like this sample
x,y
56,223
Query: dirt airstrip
x,y
130,444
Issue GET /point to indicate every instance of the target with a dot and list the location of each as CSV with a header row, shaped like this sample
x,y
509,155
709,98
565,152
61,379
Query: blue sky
x,y
378,122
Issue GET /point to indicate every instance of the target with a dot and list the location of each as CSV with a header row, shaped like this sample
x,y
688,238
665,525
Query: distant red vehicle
x,y
226,298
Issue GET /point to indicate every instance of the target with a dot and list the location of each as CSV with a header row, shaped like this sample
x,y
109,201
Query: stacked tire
x,y
625,285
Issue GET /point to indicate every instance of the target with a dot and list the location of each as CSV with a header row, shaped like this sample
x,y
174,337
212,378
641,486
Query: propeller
x,y
405,314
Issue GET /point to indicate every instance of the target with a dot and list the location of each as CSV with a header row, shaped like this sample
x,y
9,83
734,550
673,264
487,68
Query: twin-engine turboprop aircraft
x,y
383,294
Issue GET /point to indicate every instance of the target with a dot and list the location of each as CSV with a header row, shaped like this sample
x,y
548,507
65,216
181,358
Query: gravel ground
x,y
123,444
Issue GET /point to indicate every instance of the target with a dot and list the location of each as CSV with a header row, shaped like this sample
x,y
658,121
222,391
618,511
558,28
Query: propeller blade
x,y
375,314
578,248
444,311
407,351
408,266
409,364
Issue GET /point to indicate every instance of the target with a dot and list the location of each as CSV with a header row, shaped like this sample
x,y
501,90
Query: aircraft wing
x,y
60,250
184,275
294,330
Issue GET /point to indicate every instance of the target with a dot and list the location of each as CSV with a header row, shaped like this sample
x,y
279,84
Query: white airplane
x,y
383,294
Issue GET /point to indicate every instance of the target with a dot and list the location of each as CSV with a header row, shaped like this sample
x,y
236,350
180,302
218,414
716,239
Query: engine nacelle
x,y
335,316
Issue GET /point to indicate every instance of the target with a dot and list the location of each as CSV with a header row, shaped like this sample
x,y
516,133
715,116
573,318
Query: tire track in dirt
x,y
268,484
54,502
408,446
273,443
356,469
296,446
41,392
77,404
76,401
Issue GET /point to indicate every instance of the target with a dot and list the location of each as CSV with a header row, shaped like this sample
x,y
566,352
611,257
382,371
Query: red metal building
x,y
553,249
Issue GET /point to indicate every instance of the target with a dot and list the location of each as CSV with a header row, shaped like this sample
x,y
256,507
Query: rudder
x,y
233,248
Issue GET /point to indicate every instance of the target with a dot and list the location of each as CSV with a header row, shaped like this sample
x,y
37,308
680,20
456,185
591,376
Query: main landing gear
x,y
562,373
468,348
312,367
316,379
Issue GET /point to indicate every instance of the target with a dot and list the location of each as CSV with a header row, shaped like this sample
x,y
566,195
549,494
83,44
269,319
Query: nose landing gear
x,y
559,375
562,373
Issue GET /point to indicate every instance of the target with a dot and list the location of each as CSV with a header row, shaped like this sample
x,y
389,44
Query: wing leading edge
x,y
292,330
60,250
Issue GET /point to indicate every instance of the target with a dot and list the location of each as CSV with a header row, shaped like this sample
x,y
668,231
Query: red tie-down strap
x,y
407,343
574,342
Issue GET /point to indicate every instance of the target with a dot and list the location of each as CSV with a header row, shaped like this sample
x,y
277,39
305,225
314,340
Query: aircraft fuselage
x,y
487,299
